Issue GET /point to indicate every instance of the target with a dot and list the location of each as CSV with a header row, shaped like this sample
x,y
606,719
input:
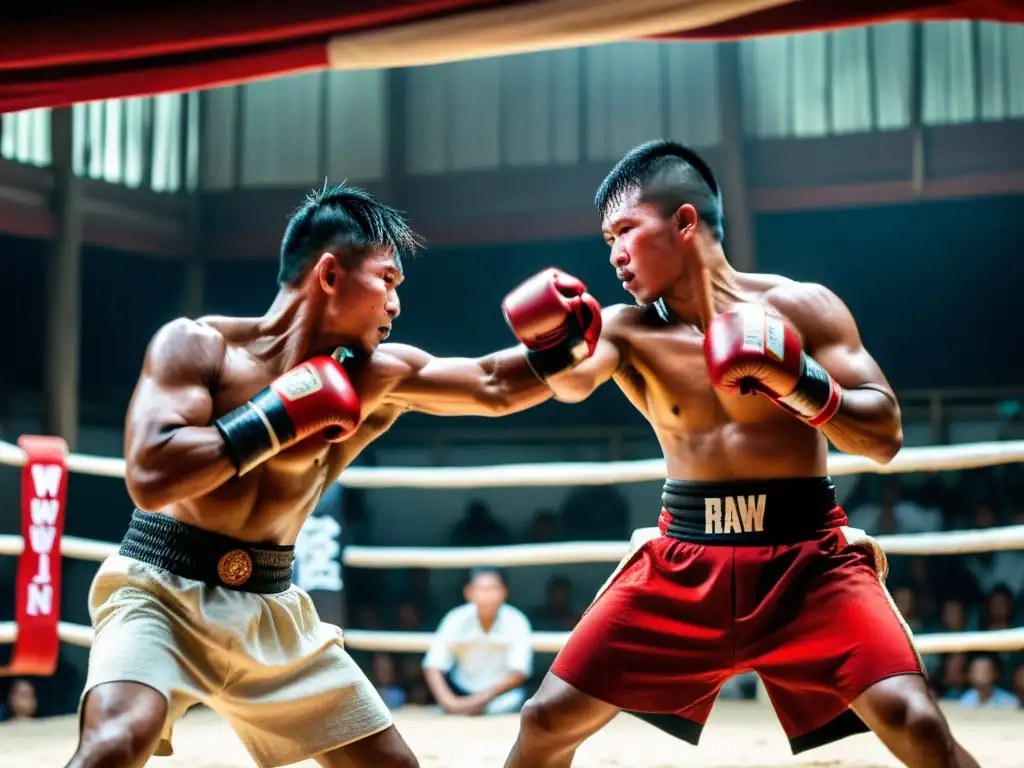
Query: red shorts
x,y
812,619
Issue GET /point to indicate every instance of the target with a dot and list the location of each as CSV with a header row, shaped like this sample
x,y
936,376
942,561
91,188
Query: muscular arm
x,y
577,384
868,422
494,385
171,451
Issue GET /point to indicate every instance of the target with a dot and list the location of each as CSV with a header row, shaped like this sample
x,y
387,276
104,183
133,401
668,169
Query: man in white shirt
x,y
482,653
984,672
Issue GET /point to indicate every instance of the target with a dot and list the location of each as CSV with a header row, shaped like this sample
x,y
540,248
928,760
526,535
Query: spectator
x,y
985,517
21,701
369,618
952,679
543,527
953,616
596,512
556,614
983,673
385,681
895,514
999,609
479,528
906,604
992,569
409,617
411,675
1018,683
482,653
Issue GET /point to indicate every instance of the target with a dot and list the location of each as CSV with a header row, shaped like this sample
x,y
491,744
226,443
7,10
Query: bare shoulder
x,y
186,344
620,319
377,374
819,314
796,299
396,360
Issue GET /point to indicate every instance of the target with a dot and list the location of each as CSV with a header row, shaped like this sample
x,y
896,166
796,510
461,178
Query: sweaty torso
x,y
271,502
705,434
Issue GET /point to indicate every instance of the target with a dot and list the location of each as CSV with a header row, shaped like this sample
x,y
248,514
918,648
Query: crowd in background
x,y
481,660
934,593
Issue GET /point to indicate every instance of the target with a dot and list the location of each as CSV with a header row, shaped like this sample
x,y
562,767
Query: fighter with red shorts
x,y
755,567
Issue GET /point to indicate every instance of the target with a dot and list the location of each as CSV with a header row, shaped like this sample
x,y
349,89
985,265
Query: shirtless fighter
x,y
755,567
235,428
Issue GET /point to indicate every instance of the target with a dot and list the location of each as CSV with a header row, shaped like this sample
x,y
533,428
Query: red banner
x,y
44,484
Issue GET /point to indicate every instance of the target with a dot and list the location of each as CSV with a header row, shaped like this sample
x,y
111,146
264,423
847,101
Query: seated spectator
x,y
385,680
984,672
479,528
599,513
1004,568
21,703
556,614
948,672
409,617
984,517
368,618
950,682
411,680
953,617
1017,682
906,604
998,609
543,527
482,653
895,514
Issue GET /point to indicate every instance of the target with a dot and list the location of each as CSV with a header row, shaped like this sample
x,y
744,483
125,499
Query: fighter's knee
x,y
923,727
117,744
119,739
926,727
539,720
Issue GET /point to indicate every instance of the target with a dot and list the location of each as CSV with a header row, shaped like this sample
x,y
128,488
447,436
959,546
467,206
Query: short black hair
x,y
669,174
997,662
485,570
346,221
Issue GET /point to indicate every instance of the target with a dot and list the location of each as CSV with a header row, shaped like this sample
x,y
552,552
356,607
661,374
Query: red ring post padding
x,y
44,484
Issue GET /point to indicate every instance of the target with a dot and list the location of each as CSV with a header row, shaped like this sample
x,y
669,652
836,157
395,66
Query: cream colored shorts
x,y
266,663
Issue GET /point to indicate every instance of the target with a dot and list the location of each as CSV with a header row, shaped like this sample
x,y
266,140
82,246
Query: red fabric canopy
x,y
817,15
88,54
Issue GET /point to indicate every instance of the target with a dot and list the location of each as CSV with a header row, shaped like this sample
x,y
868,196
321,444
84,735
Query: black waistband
x,y
193,553
749,512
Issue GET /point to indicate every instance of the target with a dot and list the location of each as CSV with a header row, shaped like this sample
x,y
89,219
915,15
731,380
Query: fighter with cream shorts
x,y
235,428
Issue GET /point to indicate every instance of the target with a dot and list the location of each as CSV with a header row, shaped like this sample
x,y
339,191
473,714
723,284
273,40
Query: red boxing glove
x,y
750,348
555,318
315,396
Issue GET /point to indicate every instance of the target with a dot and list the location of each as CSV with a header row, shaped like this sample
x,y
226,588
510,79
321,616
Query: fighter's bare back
x,y
707,434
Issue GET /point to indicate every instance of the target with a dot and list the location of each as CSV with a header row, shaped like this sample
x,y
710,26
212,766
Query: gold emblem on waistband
x,y
235,567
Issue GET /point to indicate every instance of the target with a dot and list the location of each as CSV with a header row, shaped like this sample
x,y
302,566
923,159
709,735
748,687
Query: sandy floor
x,y
739,735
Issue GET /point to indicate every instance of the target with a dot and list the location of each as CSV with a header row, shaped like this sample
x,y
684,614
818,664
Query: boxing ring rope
x,y
929,459
933,458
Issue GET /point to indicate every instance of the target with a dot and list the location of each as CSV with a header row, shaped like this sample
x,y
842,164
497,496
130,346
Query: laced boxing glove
x,y
750,348
315,396
555,318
